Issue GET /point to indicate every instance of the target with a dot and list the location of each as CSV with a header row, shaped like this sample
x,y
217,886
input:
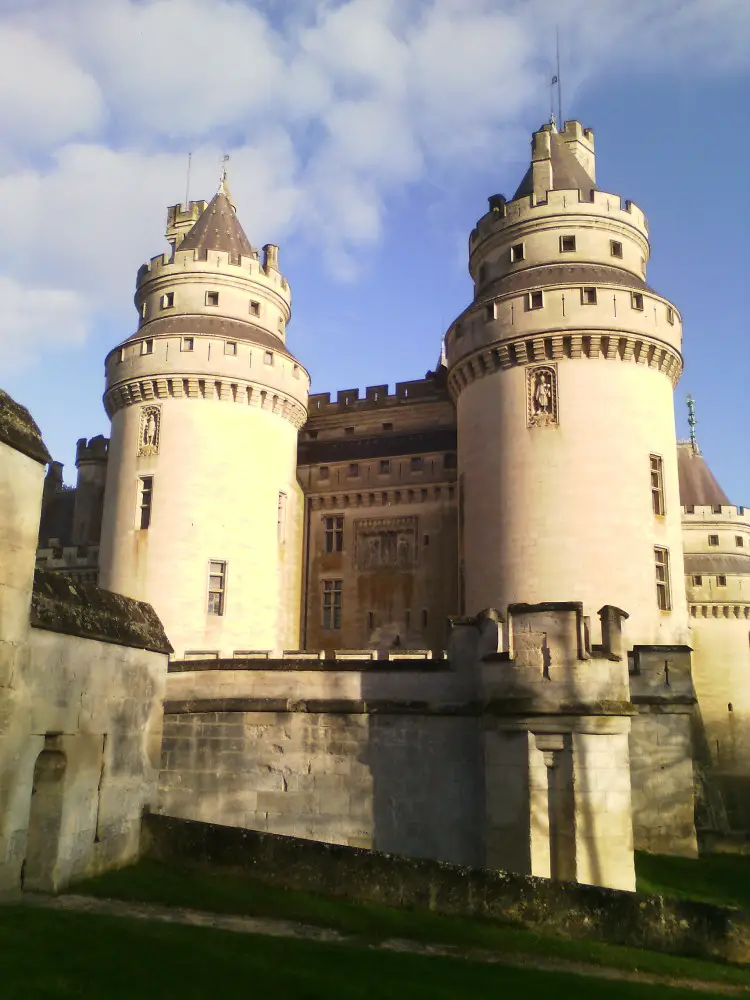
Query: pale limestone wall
x,y
189,277
100,705
406,784
574,520
217,477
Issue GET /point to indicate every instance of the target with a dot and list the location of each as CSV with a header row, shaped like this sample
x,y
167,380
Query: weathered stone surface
x,y
19,430
64,605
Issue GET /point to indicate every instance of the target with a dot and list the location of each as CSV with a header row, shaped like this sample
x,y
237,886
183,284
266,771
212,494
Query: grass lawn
x,y
221,892
57,955
723,879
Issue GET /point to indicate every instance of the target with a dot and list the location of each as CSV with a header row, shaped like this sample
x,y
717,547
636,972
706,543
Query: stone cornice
x,y
718,609
132,392
390,496
556,345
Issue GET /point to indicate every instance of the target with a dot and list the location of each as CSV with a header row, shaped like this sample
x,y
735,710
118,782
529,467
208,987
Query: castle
x,y
499,616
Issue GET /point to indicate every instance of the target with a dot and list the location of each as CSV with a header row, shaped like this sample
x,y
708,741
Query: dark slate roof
x,y
211,326
218,229
565,274
724,563
61,604
567,172
383,446
19,430
698,488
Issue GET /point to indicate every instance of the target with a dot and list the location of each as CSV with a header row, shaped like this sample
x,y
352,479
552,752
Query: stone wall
x,y
581,912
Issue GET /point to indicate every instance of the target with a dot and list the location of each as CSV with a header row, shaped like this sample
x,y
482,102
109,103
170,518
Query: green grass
x,y
73,956
220,892
722,879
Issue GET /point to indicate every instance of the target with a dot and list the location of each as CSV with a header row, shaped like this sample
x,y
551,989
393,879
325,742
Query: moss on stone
x,y
19,430
61,604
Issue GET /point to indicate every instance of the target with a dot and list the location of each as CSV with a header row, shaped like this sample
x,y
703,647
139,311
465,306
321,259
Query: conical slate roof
x,y
567,172
698,488
218,229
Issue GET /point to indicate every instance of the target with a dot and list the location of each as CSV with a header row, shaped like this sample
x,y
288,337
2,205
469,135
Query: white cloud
x,y
329,107
36,320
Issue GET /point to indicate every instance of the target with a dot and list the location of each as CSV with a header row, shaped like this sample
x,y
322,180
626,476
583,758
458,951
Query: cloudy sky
x,y
365,137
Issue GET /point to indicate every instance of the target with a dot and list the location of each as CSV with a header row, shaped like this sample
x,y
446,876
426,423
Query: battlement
x,y
418,390
726,512
181,219
178,263
94,450
504,214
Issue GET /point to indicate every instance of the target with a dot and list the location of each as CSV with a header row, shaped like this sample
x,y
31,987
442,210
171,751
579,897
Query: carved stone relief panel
x,y
150,430
541,396
385,543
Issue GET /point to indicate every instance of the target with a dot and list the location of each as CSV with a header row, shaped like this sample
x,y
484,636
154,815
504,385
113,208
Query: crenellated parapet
x,y
94,450
377,396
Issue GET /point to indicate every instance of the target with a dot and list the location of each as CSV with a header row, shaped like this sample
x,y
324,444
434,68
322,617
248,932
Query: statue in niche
x,y
542,396
148,442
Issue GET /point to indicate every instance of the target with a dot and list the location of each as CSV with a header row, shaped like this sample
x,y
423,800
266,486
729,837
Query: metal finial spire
x,y
691,421
223,176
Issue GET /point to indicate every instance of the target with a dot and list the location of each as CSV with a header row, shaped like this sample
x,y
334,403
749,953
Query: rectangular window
x,y
739,541
323,472
268,357
657,485
458,331
697,581
424,618
281,518
295,371
449,460
212,298
385,467
716,508
663,595
167,300
353,469
147,347
312,435
670,315
387,427
713,540
230,347
588,296
121,356
332,604
255,308
721,581
517,252
334,533
489,312
535,300
348,430
567,244
615,248
417,464
217,583
187,344
636,301
145,498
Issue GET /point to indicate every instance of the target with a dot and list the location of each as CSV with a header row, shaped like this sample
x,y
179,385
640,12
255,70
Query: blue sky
x,y
365,137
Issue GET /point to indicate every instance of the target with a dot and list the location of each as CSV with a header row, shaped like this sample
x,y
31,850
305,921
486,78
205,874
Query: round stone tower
x,y
202,511
563,369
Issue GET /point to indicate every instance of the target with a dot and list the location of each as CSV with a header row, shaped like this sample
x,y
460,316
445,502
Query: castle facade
x,y
343,553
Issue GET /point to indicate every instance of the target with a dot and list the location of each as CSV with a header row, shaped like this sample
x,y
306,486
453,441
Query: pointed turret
x,y
218,228
698,487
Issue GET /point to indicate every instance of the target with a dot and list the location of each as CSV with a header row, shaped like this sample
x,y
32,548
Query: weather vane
x,y
691,421
223,175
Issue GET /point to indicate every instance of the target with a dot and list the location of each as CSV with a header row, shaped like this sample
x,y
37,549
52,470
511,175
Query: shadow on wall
x,y
45,818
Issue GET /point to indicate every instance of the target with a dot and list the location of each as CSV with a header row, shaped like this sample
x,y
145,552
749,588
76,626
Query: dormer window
x,y
167,300
188,344
517,253
636,301
212,298
567,244
147,347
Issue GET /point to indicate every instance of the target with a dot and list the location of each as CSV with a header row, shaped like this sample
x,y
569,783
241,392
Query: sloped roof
x,y
563,274
218,229
19,430
567,173
209,326
698,488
